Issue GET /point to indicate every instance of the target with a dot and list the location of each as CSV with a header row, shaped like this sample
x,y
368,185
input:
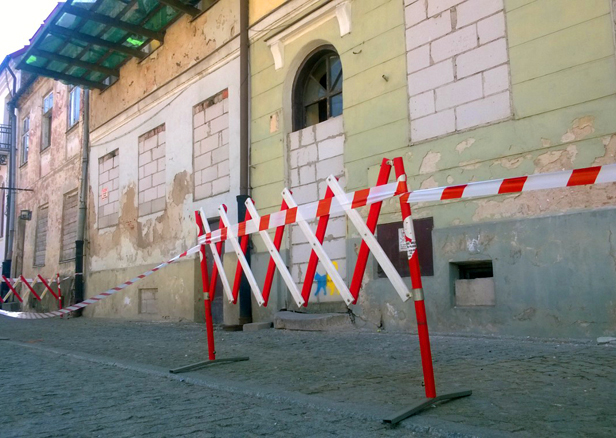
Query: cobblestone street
x,y
92,377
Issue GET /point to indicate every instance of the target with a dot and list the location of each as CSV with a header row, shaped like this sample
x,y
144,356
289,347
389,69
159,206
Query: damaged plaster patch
x,y
509,163
428,165
546,143
449,179
610,152
556,160
461,147
581,128
429,183
470,165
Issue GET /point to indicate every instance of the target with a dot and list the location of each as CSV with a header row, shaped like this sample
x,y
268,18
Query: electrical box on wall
x,y
391,238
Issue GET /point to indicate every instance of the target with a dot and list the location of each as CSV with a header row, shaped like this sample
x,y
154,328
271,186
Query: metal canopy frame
x,y
86,43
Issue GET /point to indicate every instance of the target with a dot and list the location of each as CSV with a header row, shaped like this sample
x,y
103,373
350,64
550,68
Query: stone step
x,y
312,321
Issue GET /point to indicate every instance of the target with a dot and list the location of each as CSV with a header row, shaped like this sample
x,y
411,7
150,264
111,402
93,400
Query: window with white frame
x,y
46,123
25,140
74,106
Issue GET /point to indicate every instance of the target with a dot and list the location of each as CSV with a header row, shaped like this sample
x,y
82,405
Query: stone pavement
x,y
93,377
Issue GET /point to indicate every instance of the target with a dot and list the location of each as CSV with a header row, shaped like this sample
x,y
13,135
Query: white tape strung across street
x,y
99,297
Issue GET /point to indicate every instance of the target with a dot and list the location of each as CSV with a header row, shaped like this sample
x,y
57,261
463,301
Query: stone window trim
x,y
331,91
339,9
47,120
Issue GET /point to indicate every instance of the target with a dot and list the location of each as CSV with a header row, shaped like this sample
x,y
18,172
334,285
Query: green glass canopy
x,y
85,42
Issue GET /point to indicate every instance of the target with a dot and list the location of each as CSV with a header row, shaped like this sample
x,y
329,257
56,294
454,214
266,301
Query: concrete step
x,y
312,321
255,326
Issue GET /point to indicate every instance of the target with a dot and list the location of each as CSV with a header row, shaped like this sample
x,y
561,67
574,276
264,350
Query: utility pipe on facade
x,y
83,198
245,297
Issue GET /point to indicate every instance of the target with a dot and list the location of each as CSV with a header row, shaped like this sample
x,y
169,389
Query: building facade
x,y
463,90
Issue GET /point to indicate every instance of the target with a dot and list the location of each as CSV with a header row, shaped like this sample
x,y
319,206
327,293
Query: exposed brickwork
x,y
315,153
109,189
69,226
458,65
211,146
152,187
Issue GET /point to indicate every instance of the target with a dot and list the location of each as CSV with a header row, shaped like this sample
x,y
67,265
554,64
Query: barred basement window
x,y
69,226
317,93
40,240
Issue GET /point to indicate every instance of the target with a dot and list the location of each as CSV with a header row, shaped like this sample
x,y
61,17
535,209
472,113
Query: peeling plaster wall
x,y
50,174
187,42
136,243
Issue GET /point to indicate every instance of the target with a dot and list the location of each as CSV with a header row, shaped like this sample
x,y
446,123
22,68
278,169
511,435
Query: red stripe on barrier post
x,y
454,192
243,246
373,217
30,287
581,177
59,293
271,267
512,185
264,223
10,285
207,300
320,235
47,286
420,308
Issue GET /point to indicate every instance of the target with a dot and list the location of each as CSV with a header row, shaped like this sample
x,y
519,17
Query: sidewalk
x,y
520,387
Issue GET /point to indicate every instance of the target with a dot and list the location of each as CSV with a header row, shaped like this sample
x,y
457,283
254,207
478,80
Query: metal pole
x,y
244,98
207,300
8,248
418,296
83,208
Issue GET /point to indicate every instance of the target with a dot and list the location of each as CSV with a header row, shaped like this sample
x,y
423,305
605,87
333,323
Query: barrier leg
x,y
208,296
320,235
59,293
238,269
420,308
271,267
373,217
24,281
13,291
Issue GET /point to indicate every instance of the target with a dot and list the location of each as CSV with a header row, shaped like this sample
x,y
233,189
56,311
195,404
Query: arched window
x,y
317,93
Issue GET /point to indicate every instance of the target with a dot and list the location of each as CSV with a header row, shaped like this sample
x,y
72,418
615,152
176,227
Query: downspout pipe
x,y
245,296
83,199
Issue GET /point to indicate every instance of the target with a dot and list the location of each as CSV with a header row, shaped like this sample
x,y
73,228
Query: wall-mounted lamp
x,y
25,215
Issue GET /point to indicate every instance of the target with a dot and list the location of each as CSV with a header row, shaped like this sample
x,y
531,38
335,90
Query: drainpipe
x,y
245,295
8,243
83,191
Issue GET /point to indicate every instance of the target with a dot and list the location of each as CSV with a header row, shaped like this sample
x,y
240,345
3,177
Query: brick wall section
x,y
211,146
109,189
458,65
315,153
40,242
152,187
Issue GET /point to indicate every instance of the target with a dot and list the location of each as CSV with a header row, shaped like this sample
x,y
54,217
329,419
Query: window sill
x,y
67,260
22,165
72,128
46,149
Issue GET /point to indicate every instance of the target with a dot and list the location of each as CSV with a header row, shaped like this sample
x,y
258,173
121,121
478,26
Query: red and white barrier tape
x,y
99,297
361,198
34,280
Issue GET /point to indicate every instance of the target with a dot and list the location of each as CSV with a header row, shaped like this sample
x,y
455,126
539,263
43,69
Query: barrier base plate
x,y
206,364
425,404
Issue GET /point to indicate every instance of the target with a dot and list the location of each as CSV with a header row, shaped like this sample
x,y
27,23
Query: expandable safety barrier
x,y
335,201
29,284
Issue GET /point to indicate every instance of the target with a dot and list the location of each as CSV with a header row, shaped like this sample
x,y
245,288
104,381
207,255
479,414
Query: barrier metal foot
x,y
406,413
207,363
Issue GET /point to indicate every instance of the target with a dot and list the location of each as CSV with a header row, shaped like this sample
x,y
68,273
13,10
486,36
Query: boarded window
x,y
391,239
40,242
69,226
147,301
109,189
152,164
